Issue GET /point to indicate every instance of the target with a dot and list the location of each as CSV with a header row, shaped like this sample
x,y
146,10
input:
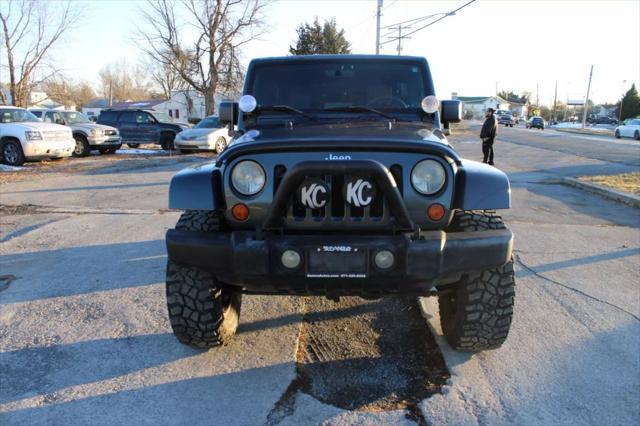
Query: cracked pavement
x,y
84,336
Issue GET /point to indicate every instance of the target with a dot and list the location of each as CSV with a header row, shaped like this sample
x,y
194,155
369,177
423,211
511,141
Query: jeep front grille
x,y
337,211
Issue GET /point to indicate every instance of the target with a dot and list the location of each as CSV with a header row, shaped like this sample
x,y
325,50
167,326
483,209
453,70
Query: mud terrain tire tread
x,y
202,313
478,315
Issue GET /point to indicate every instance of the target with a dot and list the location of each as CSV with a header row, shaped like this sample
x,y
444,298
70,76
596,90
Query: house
x,y
476,106
94,107
42,100
605,110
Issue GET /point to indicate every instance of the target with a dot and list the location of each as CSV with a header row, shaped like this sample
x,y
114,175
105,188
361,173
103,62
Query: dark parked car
x,y
605,120
535,123
340,182
138,126
507,120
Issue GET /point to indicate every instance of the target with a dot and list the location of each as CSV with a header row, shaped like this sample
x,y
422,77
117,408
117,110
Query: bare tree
x,y
165,77
29,30
64,91
121,81
209,64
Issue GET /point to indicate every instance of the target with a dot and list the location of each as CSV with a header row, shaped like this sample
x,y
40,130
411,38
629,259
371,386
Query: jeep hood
x,y
341,137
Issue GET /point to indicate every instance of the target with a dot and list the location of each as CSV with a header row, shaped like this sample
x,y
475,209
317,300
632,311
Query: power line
x,y
441,18
453,12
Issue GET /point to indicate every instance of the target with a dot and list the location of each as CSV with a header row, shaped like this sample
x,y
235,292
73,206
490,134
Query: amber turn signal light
x,y
240,212
435,211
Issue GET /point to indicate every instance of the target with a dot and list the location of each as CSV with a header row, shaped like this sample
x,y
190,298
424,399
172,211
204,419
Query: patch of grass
x,y
627,182
596,132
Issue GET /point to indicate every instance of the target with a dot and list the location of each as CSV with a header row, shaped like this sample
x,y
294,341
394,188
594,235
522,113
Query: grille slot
x,y
337,210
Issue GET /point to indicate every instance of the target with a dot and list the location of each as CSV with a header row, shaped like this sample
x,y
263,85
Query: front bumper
x,y
240,259
192,144
105,141
46,149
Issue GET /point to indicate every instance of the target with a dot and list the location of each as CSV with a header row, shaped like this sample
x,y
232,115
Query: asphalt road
x,y
84,336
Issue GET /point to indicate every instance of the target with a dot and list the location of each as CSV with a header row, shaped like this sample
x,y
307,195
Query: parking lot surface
x,y
84,337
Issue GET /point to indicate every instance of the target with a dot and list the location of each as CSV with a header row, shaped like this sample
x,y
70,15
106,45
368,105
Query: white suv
x,y
24,137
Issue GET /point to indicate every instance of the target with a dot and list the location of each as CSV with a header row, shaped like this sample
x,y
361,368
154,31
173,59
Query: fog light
x,y
240,212
435,211
383,259
290,259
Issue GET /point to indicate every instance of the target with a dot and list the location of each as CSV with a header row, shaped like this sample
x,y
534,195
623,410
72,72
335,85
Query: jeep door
x,y
128,126
147,127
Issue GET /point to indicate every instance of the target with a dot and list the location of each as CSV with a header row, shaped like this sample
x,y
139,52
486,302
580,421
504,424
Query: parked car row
x,y
29,135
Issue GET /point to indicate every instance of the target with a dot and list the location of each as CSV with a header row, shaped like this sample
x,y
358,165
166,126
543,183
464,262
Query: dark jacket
x,y
489,129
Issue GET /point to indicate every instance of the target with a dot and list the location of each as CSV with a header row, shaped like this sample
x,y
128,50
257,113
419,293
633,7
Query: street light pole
x,y
586,101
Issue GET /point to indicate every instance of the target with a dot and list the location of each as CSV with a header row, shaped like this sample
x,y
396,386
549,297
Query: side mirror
x,y
451,112
228,115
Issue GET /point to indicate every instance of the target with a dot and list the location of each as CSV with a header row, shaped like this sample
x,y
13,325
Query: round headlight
x,y
428,176
248,177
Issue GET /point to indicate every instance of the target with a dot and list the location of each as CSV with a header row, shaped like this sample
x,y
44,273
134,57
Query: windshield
x,y
208,123
73,117
161,116
16,116
315,86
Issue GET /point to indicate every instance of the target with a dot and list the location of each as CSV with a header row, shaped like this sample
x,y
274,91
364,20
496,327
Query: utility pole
x,y
400,36
555,100
538,95
378,26
586,100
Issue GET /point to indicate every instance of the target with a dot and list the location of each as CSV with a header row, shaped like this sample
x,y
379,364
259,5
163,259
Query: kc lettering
x,y
313,195
359,193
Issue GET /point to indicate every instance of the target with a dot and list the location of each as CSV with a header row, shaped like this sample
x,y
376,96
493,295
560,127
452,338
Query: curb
x,y
619,196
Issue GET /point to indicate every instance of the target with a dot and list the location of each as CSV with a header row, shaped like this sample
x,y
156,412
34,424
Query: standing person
x,y
488,135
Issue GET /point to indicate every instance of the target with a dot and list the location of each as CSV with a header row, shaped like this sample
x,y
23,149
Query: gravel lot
x,y
84,336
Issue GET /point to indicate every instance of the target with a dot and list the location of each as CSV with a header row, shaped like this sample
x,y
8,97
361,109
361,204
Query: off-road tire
x,y
477,315
82,148
202,312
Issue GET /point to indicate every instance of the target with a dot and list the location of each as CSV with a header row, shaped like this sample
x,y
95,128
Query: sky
x,y
511,45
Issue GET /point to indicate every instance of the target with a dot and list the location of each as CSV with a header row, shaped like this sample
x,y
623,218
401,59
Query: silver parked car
x,y
87,134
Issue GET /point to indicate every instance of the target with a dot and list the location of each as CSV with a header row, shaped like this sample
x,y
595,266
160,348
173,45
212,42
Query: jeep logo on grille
x,y
313,193
359,192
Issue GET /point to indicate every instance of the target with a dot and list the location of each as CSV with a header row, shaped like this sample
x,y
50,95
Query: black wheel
x,y
203,313
636,135
133,145
221,144
617,134
166,141
12,153
477,315
82,148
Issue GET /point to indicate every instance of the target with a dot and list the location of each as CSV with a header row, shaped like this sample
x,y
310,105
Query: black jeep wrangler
x,y
340,181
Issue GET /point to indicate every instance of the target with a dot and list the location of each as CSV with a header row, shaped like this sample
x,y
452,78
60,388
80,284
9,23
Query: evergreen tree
x,y
320,39
630,104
